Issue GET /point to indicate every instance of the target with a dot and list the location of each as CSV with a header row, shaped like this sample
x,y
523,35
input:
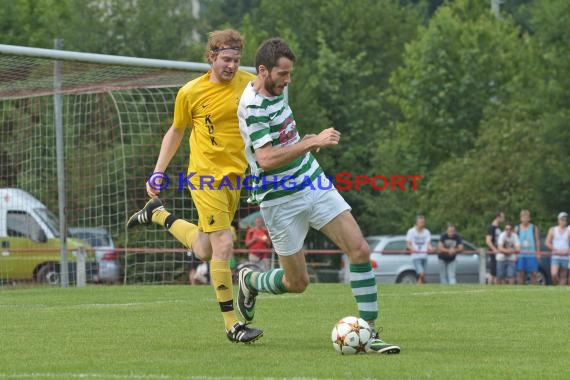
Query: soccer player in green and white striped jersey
x,y
294,194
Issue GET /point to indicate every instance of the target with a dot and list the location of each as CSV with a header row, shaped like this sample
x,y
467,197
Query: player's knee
x,y
360,252
222,245
202,247
298,285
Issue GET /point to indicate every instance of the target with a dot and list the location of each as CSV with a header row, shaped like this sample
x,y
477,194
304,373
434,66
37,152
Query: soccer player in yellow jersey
x,y
207,106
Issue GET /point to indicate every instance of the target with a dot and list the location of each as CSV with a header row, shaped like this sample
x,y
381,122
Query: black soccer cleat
x,y
378,346
246,297
144,216
240,332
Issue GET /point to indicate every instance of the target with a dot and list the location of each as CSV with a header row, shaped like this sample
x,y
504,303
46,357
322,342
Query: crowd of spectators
x,y
514,250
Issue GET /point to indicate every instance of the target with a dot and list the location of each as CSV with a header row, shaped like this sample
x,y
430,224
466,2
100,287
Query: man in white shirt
x,y
509,246
557,241
418,242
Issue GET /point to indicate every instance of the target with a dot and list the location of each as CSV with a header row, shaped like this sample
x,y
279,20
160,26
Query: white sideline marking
x,y
69,375
120,305
381,294
503,289
89,305
127,304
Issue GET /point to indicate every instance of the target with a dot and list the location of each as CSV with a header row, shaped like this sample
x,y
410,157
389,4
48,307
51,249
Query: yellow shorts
x,y
216,208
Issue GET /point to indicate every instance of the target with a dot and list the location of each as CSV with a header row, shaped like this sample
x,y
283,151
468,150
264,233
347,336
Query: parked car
x,y
30,241
106,256
391,267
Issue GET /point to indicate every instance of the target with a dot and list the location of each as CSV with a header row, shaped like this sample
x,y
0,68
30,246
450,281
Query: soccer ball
x,y
350,335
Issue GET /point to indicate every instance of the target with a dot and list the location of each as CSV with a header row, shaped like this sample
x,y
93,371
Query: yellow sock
x,y
222,281
159,217
184,231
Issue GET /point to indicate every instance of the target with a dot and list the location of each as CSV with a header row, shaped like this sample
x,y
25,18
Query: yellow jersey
x,y
210,111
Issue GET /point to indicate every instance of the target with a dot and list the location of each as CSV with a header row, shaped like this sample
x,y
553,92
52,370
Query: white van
x,y
30,241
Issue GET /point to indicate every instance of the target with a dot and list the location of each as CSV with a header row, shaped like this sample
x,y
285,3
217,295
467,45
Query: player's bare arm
x,y
270,157
489,241
501,248
548,240
249,240
170,144
537,240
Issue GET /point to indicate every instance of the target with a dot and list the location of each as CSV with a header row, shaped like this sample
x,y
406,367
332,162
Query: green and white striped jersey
x,y
264,120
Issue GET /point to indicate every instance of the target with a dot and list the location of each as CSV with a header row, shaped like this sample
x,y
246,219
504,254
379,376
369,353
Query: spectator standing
x,y
527,260
418,242
491,239
509,246
557,241
450,244
258,242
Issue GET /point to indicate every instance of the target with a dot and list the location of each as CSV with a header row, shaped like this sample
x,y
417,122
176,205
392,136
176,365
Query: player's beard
x,y
272,88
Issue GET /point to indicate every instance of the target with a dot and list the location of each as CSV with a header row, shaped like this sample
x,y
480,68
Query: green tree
x,y
33,23
500,173
460,64
159,29
550,20
226,13
516,161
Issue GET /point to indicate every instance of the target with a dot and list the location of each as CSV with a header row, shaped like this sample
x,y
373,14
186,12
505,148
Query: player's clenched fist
x,y
327,137
151,190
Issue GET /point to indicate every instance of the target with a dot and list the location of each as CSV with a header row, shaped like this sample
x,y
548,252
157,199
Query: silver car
x,y
107,258
392,264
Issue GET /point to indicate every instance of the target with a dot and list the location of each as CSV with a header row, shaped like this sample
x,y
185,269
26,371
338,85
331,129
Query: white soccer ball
x,y
350,335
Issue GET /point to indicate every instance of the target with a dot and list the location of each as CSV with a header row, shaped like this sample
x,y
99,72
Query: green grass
x,y
175,332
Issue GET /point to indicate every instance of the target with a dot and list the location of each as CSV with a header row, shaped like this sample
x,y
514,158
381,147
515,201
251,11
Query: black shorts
x,y
493,264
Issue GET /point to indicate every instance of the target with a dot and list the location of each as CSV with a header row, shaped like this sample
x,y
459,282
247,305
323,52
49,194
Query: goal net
x,y
114,117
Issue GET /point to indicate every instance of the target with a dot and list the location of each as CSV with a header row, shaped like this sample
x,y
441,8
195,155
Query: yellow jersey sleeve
x,y
182,109
210,109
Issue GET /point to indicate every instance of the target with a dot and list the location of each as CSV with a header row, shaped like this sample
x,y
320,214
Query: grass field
x,y
174,332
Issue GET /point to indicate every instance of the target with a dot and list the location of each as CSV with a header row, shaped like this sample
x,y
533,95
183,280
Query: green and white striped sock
x,y
267,282
363,284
